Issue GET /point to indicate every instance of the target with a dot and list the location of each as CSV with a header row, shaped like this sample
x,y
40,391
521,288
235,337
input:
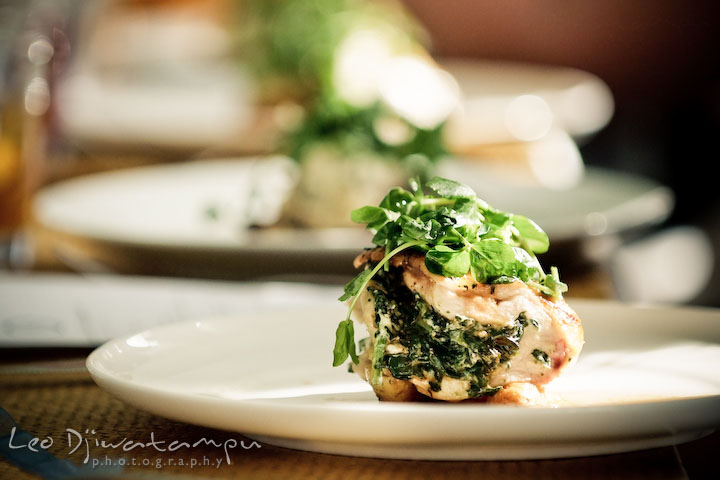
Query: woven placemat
x,y
48,404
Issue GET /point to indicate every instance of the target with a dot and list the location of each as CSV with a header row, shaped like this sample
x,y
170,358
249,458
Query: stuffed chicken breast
x,y
455,302
453,339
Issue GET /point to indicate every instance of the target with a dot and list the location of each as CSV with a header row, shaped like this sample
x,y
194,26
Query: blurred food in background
x,y
347,89
360,103
357,99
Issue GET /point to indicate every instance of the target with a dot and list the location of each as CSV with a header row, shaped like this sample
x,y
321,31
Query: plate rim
x,y
303,240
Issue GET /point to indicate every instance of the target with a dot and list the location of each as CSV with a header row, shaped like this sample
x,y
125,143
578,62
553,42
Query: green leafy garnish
x,y
344,343
459,234
445,261
345,333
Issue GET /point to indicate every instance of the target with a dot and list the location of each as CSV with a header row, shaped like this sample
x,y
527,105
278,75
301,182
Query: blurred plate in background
x,y
192,108
185,110
196,218
68,310
604,201
512,101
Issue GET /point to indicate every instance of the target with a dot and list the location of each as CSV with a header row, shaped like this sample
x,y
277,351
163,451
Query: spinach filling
x,y
434,346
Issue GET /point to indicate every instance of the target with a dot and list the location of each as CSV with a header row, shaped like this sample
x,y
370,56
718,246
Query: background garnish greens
x,y
458,233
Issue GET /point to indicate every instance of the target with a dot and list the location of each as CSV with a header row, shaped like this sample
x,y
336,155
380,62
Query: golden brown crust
x,y
526,394
369,256
568,348
391,389
394,390
523,394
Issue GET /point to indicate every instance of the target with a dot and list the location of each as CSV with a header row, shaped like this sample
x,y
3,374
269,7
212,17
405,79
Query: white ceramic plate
x,y
154,220
165,206
648,377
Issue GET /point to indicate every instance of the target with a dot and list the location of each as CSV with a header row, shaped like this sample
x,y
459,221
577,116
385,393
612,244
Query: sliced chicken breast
x,y
550,338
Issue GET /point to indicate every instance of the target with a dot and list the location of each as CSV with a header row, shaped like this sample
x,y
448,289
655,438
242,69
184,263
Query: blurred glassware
x,y
12,176
28,62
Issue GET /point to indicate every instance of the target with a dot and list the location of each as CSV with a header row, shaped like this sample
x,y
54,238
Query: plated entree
x,y
455,301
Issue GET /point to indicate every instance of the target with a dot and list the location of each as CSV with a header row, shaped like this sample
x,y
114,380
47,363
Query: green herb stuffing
x,y
542,357
458,233
433,346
